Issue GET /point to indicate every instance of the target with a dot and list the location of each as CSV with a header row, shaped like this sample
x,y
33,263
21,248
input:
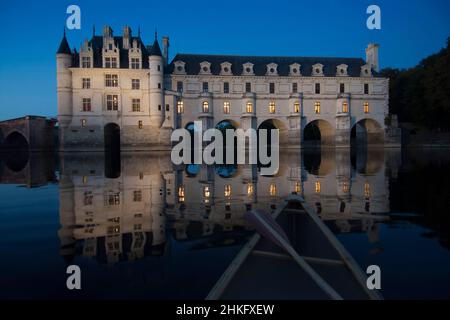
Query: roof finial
x,y
156,34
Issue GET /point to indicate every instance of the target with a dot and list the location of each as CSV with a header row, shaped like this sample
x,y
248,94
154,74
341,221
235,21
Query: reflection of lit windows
x,y
317,107
345,107
366,107
137,196
205,106
345,187
298,187
227,192
181,193
226,107
272,107
250,189
83,122
206,192
273,190
296,107
85,179
112,199
317,186
249,107
366,190
180,107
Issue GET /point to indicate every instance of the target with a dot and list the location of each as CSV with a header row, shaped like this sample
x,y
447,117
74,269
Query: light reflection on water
x,y
140,227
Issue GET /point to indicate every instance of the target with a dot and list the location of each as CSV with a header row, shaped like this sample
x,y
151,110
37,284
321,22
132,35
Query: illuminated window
x,y
180,107
317,107
345,187
206,192
86,104
140,125
227,192
367,190
136,105
345,107
226,107
366,107
83,122
250,189
249,107
273,190
297,107
298,187
181,193
111,80
317,187
205,106
272,107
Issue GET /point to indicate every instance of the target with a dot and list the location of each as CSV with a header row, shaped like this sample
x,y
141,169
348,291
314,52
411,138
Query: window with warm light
x,y
366,107
317,107
367,190
250,189
273,190
206,192
205,106
272,107
181,193
345,107
180,107
317,187
227,192
249,107
83,122
296,107
298,187
226,107
112,102
345,187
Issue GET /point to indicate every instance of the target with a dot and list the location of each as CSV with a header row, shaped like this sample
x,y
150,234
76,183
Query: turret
x,y
372,56
156,64
64,82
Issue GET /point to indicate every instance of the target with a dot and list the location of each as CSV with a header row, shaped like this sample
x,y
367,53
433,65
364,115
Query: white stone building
x,y
118,89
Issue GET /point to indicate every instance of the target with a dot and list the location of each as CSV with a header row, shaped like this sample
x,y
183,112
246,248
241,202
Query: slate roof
x,y
64,46
156,50
192,64
97,45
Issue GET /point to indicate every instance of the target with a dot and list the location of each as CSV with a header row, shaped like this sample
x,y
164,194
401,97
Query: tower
x,y
156,64
372,56
64,86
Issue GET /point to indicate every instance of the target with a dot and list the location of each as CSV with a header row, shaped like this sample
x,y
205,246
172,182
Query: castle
x,y
118,91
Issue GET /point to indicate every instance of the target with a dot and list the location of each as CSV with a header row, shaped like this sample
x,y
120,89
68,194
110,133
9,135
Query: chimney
x,y
165,54
372,56
107,32
126,37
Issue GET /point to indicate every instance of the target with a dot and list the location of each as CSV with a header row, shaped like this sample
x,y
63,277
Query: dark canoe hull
x,y
264,271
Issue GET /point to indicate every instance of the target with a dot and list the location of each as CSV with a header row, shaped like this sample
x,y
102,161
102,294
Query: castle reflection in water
x,y
124,209
129,209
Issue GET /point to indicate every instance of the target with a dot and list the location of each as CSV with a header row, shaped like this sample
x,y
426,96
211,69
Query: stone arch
x,y
276,124
232,123
16,140
366,132
318,132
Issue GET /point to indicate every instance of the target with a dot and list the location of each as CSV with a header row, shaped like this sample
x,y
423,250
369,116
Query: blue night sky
x,y
31,32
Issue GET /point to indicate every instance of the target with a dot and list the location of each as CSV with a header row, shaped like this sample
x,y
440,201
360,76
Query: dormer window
x,y
366,71
179,67
135,63
110,62
225,68
341,70
272,69
205,67
294,69
86,62
247,69
317,70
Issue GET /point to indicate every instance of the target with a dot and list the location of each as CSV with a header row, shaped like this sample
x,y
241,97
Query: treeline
x,y
422,94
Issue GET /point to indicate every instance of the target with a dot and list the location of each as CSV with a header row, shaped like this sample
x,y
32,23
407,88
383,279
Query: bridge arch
x,y
270,124
318,132
15,140
366,132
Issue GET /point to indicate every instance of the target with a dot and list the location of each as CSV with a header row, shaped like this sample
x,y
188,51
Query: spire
x,y
64,47
156,50
156,34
